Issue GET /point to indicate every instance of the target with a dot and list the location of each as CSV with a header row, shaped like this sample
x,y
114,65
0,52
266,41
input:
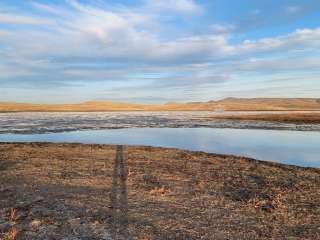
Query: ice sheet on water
x,y
29,123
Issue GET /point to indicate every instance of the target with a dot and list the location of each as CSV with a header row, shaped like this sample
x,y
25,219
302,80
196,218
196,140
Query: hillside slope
x,y
228,104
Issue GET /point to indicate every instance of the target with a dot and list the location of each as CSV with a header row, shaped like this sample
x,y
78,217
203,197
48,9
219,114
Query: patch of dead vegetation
x,y
64,191
295,117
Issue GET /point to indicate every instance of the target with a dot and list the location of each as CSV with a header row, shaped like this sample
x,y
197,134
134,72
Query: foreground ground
x,y
74,191
294,117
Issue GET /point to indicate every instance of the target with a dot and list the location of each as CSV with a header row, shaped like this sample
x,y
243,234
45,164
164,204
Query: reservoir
x,y
300,148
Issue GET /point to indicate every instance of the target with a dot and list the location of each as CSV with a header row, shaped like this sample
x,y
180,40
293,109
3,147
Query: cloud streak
x,y
6,18
78,43
180,6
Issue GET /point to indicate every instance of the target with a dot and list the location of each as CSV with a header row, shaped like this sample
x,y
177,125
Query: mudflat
x,y
76,191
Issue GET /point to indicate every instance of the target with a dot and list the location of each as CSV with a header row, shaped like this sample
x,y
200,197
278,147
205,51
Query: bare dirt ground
x,y
298,118
74,191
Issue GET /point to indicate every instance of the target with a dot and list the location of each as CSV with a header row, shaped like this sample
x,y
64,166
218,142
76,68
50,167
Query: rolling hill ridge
x,y
227,104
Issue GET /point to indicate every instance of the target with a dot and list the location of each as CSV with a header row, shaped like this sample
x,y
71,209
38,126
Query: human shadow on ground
x,y
119,197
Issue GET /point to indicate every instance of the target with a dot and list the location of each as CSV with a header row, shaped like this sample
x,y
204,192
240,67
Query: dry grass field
x,y
228,104
309,118
74,191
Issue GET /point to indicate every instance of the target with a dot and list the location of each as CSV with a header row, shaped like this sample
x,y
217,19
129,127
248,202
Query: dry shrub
x,y
12,215
12,234
159,191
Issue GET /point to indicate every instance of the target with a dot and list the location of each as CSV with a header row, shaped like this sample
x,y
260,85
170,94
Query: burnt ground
x,y
75,191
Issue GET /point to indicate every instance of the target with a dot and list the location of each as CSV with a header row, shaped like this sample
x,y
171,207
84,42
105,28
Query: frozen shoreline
x,y
37,123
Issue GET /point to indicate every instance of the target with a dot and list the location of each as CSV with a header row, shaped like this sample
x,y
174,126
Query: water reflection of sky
x,y
291,147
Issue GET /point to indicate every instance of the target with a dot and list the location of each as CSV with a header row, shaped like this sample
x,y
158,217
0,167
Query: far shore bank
x,y
106,192
173,111
227,104
294,117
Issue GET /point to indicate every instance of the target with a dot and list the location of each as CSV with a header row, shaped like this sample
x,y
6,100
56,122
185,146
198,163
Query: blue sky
x,y
158,51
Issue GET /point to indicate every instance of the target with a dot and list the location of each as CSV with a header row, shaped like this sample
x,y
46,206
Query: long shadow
x,y
119,198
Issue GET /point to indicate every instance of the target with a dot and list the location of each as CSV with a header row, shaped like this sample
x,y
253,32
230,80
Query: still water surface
x,y
290,147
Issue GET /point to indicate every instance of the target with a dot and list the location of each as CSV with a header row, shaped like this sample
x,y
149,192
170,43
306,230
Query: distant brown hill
x,y
228,104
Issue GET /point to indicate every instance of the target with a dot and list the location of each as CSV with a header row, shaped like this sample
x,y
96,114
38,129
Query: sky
x,y
157,51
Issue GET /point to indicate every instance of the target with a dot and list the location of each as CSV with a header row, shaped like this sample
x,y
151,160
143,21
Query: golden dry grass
x,y
67,191
310,118
229,104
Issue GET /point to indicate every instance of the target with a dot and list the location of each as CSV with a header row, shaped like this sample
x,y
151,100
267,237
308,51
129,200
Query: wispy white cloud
x,y
222,28
299,39
281,64
83,43
8,18
52,9
183,6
